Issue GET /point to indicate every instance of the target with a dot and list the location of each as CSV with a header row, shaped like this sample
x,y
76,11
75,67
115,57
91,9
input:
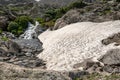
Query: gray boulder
x,y
32,46
12,46
112,57
112,61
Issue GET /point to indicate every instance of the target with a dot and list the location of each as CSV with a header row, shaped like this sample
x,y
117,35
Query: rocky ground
x,y
20,52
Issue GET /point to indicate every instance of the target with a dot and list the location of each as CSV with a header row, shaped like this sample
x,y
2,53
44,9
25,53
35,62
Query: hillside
x,y
60,40
5,2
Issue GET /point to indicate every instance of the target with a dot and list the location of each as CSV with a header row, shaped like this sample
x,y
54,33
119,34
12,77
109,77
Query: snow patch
x,y
76,42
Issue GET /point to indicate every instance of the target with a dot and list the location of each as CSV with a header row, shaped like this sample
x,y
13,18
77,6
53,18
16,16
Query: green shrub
x,y
13,27
78,4
40,20
20,24
23,21
49,24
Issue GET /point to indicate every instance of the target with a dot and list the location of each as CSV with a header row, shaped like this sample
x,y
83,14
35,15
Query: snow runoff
x,y
31,31
76,42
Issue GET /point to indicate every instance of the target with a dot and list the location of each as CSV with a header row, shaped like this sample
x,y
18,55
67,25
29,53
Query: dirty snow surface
x,y
76,42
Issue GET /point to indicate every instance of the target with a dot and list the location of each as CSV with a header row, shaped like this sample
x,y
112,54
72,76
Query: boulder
x,y
111,61
3,52
112,57
12,47
30,46
3,22
71,16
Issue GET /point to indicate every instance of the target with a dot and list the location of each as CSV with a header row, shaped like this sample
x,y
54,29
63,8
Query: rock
x,y
86,64
12,47
31,62
7,35
3,22
111,60
112,57
77,74
3,52
70,17
111,69
32,46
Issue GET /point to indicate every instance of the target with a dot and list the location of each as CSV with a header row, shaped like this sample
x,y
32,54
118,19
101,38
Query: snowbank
x,y
76,42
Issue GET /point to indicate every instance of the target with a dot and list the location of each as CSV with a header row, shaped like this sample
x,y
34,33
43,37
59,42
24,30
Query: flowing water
x,y
30,32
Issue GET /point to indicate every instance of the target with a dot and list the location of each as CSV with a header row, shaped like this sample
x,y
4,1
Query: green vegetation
x,y
19,25
97,76
2,12
4,38
15,8
52,15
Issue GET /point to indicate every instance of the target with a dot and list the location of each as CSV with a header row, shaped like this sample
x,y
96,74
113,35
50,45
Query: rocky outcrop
x,y
111,61
21,52
94,12
30,47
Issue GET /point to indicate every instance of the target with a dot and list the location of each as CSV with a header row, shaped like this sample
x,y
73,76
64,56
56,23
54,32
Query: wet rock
x,y
32,32
31,46
115,38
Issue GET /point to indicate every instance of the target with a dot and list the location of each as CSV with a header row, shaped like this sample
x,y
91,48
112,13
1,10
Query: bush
x,y
13,27
49,24
20,24
78,4
23,21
